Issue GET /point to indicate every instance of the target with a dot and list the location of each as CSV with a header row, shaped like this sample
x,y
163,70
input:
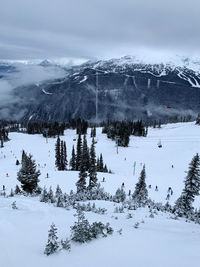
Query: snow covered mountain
x,y
128,88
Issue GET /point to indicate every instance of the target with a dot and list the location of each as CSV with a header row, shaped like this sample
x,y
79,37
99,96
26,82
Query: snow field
x,y
160,241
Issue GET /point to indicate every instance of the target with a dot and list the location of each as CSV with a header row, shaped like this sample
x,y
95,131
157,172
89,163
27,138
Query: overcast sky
x,y
88,29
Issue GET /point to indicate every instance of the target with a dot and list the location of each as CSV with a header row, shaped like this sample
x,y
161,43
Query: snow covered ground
x,y
159,241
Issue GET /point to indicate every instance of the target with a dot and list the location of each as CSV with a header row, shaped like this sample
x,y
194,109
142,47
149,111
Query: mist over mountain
x,y
128,88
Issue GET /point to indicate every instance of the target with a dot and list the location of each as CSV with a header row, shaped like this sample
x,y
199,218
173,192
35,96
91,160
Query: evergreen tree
x,y
65,156
65,244
73,160
52,244
105,169
101,168
80,231
92,169
57,150
88,158
17,162
98,167
44,196
140,194
60,202
120,195
192,181
85,153
58,192
51,198
28,175
81,183
62,160
183,205
23,156
17,190
78,153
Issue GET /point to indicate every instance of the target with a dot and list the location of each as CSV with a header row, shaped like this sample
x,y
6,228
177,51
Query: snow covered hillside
x,y
159,241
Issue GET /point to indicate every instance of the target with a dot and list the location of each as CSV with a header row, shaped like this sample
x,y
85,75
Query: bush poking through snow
x,y
136,225
82,231
65,244
14,206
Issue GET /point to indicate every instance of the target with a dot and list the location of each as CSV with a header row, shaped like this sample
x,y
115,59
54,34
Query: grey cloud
x,y
93,28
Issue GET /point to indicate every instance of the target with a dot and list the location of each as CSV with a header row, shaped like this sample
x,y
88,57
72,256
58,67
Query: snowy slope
x,y
160,241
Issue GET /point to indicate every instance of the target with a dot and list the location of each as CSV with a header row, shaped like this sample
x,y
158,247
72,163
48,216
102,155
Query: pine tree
x,y
85,154
98,168
80,231
78,153
192,181
44,196
17,190
120,195
140,194
65,156
60,202
57,150
92,169
81,183
17,162
105,169
62,160
52,244
58,192
73,160
28,175
23,156
65,244
51,198
101,163
183,205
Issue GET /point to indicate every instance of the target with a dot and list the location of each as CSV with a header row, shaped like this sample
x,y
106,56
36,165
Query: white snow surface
x,y
159,241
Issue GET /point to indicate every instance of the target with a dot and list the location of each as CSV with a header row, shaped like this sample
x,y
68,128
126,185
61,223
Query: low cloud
x,y
24,74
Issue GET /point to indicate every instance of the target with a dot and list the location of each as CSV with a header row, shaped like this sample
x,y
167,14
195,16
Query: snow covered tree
x,y
57,150
28,175
92,169
23,156
101,168
60,202
81,183
120,195
65,244
17,190
183,205
50,194
80,231
44,196
140,194
85,153
192,180
73,160
97,164
52,244
65,156
78,153
58,192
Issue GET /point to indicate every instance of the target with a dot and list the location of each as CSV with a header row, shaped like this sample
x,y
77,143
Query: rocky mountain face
x,y
125,89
